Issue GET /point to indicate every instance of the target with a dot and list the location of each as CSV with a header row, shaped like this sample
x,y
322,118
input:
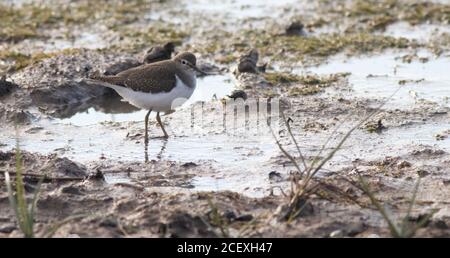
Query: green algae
x,y
379,14
303,91
22,23
25,21
278,77
323,81
330,44
303,84
21,60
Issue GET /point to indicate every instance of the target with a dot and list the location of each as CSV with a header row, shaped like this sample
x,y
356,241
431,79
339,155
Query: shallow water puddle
x,y
396,142
253,180
84,39
240,8
87,38
420,32
361,145
113,130
239,162
223,14
381,75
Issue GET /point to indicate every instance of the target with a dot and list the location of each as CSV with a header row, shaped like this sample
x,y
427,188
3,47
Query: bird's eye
x,y
183,62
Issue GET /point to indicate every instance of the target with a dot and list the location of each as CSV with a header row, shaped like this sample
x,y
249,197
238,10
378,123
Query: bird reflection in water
x,y
159,154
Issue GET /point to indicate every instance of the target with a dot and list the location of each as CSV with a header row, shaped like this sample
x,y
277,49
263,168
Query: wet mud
x,y
329,65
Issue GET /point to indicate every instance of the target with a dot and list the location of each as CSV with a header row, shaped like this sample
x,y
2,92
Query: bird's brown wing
x,y
151,78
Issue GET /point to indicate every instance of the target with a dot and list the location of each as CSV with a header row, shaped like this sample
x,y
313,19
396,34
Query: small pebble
x,y
229,215
337,233
423,173
189,165
245,217
274,175
7,229
296,28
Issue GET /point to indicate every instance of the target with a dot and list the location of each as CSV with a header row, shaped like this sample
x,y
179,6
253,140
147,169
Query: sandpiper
x,y
159,53
159,87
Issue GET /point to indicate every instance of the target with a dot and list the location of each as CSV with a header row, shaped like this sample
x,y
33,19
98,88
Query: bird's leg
x,y
146,127
158,118
146,153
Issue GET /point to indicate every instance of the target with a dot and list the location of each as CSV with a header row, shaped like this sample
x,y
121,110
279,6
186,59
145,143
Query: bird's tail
x,y
109,79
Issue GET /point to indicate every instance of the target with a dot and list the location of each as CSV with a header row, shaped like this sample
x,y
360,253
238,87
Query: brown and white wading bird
x,y
159,87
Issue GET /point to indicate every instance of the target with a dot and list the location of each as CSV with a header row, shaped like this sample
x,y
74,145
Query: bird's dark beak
x,y
198,70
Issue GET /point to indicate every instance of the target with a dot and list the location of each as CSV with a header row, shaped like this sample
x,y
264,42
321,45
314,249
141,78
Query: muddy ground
x,y
328,63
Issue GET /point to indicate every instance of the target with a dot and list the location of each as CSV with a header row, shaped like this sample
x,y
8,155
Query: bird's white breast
x,y
160,102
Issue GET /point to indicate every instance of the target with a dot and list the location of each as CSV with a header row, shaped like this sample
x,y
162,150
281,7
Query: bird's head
x,y
188,62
